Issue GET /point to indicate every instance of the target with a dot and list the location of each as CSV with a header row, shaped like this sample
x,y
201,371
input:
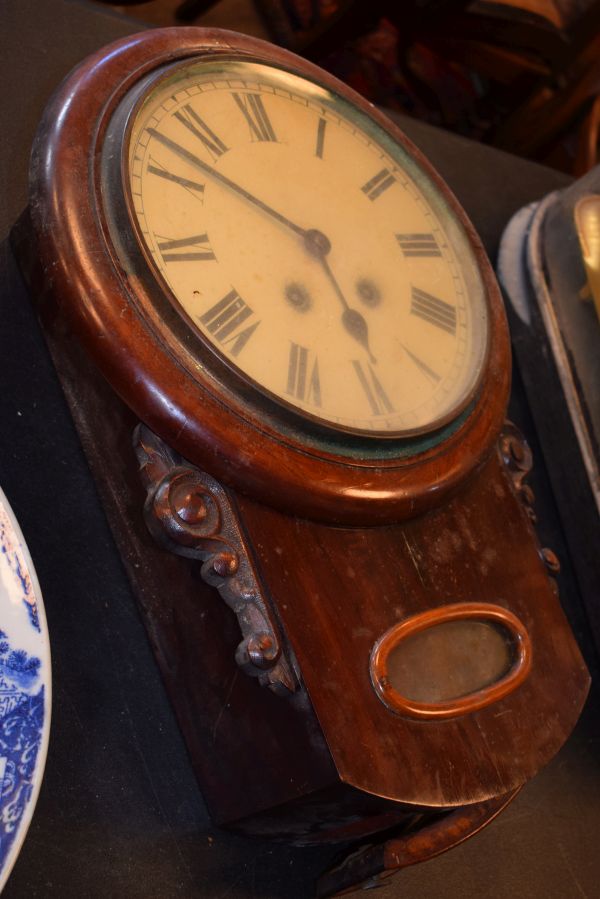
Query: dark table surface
x,y
119,813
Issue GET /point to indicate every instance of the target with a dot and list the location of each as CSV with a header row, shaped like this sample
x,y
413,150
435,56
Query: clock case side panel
x,y
80,275
251,751
261,761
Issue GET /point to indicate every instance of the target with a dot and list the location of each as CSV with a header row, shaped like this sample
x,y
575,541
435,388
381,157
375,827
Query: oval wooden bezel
x,y
460,705
83,276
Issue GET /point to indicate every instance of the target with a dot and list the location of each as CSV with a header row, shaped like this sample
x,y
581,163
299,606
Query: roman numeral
x,y
199,241
302,384
374,392
418,245
320,138
378,183
194,187
254,112
192,121
433,310
224,321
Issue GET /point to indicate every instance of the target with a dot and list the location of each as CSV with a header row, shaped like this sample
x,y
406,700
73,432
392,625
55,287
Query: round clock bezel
x,y
227,432
233,377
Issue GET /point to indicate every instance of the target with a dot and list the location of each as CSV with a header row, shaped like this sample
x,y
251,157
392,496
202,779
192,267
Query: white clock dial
x,y
307,248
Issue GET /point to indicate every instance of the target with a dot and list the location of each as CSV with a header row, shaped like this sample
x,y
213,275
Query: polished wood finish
x,y
371,866
217,424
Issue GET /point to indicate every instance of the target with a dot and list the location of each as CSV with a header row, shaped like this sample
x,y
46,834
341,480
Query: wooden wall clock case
x,y
327,550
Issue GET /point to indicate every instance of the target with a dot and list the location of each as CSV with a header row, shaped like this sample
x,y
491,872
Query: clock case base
x,y
271,765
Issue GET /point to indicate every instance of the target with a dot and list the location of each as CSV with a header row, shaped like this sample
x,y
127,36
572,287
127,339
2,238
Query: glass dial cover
x,y
306,248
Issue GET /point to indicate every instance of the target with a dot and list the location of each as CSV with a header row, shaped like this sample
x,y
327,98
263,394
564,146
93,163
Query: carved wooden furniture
x,y
333,551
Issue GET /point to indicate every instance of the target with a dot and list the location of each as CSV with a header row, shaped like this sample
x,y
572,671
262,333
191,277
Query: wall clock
x,y
249,271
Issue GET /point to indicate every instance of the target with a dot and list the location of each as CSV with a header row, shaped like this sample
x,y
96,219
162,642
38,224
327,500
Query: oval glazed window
x,y
451,660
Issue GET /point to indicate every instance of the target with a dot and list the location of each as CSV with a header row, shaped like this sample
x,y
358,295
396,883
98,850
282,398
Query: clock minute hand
x,y
316,242
223,179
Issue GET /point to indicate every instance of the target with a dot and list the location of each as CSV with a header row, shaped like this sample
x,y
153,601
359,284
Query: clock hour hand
x,y
352,320
223,179
319,245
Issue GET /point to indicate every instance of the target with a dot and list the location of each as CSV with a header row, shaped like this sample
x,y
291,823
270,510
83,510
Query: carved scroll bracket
x,y
189,513
518,461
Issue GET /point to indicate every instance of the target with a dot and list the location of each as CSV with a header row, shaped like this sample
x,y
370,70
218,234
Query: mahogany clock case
x,y
530,181
476,548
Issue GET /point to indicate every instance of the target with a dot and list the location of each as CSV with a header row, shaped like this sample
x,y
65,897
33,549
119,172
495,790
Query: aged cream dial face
x,y
306,247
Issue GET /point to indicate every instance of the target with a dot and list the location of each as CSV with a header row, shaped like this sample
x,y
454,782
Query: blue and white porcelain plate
x,y
25,689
